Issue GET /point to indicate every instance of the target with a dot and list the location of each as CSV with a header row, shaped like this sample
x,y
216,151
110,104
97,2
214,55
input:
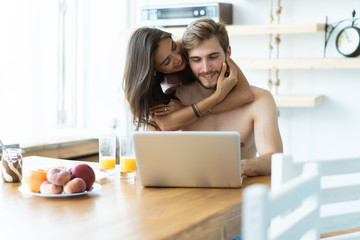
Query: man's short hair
x,y
203,29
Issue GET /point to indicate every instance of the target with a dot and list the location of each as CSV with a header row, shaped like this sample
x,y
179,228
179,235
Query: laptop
x,y
188,159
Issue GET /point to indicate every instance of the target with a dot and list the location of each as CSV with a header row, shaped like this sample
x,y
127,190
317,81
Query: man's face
x,y
206,60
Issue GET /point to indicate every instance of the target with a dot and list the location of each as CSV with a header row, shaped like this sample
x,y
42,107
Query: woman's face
x,y
168,57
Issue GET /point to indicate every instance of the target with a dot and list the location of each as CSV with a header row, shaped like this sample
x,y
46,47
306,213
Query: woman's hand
x,y
164,109
226,84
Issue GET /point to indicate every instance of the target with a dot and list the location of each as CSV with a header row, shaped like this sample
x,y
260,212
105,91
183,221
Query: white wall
x,y
331,129
104,59
28,62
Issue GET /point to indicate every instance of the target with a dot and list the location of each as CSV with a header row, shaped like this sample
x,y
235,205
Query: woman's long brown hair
x,y
141,82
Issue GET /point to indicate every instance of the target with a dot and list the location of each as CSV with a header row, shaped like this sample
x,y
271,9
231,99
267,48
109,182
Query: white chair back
x,y
291,212
339,194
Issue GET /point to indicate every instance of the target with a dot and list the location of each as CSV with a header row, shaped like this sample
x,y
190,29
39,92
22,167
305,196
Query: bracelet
x,y
198,109
197,114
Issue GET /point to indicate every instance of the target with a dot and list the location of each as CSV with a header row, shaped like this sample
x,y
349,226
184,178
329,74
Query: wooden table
x,y
121,209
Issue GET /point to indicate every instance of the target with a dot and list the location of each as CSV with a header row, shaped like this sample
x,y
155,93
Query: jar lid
x,y
13,150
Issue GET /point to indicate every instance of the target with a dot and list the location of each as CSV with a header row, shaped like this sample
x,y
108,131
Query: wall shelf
x,y
274,28
300,63
238,30
308,100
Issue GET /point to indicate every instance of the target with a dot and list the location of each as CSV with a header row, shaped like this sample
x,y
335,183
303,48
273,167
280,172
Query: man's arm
x,y
267,137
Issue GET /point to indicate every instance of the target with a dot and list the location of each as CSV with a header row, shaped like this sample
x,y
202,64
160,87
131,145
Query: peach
x,y
58,176
50,188
85,172
61,167
34,178
75,185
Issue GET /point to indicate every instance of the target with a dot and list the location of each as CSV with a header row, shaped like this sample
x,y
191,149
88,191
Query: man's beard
x,y
204,86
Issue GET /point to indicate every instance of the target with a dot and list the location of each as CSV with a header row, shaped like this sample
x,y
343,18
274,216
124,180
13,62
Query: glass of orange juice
x,y
107,153
127,158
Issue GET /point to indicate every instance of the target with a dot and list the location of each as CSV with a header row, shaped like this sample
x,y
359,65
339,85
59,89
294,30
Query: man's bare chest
x,y
236,120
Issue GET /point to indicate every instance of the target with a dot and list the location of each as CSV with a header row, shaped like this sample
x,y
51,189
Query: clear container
x,y
11,165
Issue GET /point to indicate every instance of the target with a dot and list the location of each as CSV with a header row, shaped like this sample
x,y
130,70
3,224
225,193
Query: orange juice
x,y
107,163
127,164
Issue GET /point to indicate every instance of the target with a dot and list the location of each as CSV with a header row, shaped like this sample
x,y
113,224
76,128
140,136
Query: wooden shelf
x,y
275,28
300,63
236,30
310,100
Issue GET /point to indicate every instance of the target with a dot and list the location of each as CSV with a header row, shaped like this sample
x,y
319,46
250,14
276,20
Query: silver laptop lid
x,y
188,159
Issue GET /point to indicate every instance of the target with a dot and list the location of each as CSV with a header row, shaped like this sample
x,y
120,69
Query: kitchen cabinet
x,y
81,149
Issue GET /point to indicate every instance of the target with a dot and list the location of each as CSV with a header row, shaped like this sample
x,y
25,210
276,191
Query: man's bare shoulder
x,y
263,104
261,94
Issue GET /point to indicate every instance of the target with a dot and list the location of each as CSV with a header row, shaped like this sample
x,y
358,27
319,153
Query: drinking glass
x,y
107,153
127,158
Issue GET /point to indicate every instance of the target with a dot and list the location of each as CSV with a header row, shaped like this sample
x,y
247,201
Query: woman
x,y
154,58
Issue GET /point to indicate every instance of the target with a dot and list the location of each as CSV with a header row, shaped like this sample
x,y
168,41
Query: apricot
x,y
50,188
58,176
34,178
85,172
75,185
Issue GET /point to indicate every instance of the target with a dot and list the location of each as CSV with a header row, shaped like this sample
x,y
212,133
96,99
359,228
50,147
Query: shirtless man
x,y
256,122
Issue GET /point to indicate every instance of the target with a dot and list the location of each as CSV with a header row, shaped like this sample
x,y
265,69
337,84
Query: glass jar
x,y
11,165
